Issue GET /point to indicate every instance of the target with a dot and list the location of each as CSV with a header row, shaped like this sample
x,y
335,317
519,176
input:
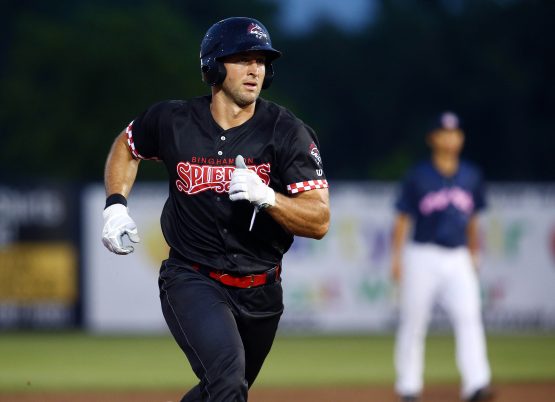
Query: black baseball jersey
x,y
199,221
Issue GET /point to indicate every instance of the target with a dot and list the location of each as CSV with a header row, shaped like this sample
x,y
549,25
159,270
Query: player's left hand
x,y
247,185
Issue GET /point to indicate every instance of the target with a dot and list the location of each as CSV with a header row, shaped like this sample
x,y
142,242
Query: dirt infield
x,y
534,392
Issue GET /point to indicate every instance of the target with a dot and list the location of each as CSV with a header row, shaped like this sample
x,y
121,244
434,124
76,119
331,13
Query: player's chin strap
x,y
247,185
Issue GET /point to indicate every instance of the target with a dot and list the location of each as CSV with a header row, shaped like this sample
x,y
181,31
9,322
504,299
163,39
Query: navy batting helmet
x,y
231,36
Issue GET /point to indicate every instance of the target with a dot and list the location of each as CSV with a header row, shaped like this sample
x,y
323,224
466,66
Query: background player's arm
x,y
400,230
121,168
473,242
305,214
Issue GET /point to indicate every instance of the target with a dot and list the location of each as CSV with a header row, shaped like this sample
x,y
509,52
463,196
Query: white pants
x,y
436,274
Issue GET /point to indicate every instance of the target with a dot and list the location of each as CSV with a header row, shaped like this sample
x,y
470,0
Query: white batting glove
x,y
247,185
118,223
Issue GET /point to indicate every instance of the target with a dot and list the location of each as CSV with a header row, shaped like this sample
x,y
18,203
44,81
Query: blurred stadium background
x,y
367,75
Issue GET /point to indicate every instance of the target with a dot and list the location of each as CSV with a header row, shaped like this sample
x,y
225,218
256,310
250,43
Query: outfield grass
x,y
75,361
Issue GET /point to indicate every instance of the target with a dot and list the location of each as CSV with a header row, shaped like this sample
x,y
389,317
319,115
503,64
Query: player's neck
x,y
228,114
446,164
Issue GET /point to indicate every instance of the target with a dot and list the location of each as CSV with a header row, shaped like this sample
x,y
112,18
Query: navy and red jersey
x,y
441,206
198,221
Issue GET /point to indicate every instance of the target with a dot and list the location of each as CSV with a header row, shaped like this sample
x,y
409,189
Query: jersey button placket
x,y
220,144
219,198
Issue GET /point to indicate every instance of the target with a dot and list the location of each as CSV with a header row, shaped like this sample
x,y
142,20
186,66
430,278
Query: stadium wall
x,y
339,284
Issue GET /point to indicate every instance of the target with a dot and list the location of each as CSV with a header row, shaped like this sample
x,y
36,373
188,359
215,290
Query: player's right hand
x,y
245,184
118,223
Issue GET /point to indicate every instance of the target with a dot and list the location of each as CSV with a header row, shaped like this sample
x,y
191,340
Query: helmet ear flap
x,y
213,72
269,77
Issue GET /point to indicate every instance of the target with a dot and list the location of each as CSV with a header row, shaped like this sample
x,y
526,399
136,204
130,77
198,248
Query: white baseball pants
x,y
436,274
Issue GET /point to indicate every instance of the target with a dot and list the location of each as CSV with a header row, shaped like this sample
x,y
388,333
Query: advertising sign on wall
x,y
38,257
121,291
340,283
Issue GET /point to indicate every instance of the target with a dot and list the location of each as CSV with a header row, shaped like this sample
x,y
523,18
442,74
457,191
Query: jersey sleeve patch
x,y
306,186
131,143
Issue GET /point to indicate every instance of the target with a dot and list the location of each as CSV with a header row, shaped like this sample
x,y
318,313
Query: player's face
x,y
447,141
244,78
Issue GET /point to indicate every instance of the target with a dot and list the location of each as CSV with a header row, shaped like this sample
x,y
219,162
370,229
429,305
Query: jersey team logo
x,y
256,30
194,179
315,154
440,200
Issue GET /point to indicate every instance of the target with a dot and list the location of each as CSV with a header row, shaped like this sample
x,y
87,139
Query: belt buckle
x,y
252,281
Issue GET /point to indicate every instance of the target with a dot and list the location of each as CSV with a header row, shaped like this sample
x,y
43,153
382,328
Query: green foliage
x,y
74,81
369,95
73,73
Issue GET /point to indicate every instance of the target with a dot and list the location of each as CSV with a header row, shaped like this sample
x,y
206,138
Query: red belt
x,y
248,281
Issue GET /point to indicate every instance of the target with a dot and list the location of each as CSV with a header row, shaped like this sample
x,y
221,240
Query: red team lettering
x,y
195,178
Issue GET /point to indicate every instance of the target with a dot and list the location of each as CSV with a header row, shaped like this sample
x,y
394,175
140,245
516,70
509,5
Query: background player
x,y
441,197
220,288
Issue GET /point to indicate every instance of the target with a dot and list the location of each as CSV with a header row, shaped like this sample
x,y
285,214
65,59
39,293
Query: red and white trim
x,y
129,132
306,186
132,149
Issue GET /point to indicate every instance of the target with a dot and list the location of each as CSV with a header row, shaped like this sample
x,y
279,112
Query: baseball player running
x,y
441,197
245,176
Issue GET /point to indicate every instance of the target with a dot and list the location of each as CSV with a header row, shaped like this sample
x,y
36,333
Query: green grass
x,y
513,358
76,361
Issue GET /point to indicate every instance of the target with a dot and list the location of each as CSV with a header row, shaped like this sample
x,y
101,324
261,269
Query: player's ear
x,y
430,138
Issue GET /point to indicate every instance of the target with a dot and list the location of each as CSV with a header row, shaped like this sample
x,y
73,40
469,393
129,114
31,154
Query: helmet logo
x,y
449,121
256,30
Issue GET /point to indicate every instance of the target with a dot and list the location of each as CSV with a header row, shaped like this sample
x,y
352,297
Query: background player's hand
x,y
475,257
118,223
396,270
247,185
